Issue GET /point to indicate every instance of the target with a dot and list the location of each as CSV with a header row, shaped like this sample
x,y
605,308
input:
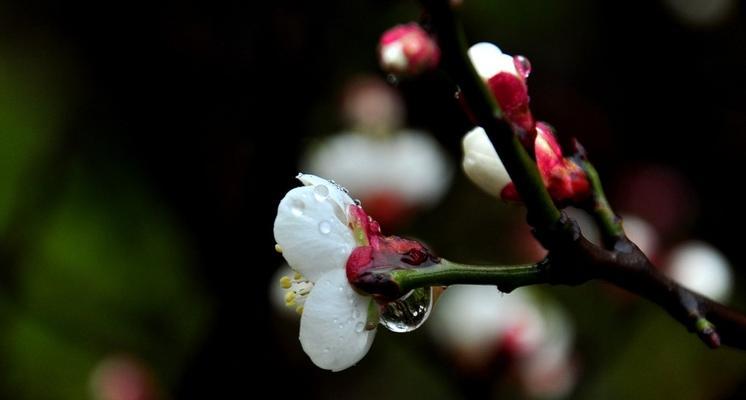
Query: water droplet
x,y
356,314
522,65
335,320
320,192
341,326
358,202
409,312
359,327
392,79
340,288
326,349
325,227
297,207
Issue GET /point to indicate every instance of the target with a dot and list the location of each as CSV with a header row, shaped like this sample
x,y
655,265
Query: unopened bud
x,y
407,50
482,164
506,77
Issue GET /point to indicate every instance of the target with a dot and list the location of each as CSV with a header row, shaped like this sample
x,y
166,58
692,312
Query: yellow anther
x,y
285,282
299,309
278,248
290,299
297,276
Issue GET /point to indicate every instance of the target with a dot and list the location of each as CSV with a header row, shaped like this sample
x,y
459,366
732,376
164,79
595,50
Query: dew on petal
x,y
325,227
297,207
359,327
320,192
409,312
523,65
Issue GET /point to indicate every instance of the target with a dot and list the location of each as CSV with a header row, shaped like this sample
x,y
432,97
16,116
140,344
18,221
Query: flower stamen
x,y
297,289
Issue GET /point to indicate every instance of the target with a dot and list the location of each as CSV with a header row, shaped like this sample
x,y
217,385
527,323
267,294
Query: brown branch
x,y
573,259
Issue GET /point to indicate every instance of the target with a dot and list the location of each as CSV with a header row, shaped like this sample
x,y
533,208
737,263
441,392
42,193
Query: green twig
x,y
506,278
610,223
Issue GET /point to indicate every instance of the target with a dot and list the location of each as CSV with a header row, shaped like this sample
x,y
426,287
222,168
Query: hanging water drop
x,y
320,192
325,227
522,65
359,327
409,312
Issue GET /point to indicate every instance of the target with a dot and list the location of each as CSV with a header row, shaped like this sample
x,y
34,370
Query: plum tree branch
x,y
572,259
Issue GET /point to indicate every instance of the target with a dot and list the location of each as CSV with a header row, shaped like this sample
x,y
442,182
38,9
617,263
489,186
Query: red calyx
x,y
381,251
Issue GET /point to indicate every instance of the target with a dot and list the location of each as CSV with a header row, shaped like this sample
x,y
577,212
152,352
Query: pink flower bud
x,y
407,50
506,77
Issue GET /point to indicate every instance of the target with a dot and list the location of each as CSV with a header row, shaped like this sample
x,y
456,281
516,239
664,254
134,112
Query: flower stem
x,y
608,221
506,278
520,166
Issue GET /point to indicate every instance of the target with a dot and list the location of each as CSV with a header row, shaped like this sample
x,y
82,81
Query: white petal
x,y
415,167
489,61
332,328
335,192
482,164
313,232
409,164
471,319
587,225
642,233
701,268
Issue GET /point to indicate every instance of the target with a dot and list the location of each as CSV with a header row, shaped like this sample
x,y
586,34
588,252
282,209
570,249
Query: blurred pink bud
x,y
661,195
407,50
122,377
369,105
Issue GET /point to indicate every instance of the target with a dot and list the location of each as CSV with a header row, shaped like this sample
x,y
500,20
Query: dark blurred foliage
x,y
146,145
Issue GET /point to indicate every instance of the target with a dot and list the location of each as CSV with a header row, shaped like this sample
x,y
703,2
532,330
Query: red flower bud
x,y
407,50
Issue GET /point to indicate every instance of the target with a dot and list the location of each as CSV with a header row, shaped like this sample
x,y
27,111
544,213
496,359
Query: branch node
x,y
708,334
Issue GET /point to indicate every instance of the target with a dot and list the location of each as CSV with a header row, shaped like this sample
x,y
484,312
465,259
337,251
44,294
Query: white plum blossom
x,y
408,165
313,232
482,164
475,323
702,268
